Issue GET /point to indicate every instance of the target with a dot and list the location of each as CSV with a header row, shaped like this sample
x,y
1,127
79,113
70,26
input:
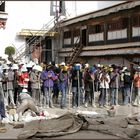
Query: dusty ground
x,y
121,111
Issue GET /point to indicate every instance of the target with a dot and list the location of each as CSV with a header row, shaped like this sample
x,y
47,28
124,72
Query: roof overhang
x,y
102,12
105,50
32,32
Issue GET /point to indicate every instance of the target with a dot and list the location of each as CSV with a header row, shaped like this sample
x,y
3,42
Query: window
x,y
93,29
76,32
67,34
2,6
118,24
136,21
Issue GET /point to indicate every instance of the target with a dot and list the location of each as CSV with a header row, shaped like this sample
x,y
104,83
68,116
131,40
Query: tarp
x,y
63,125
123,127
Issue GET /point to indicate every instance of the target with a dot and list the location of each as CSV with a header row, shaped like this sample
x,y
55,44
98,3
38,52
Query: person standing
x,y
76,85
136,81
2,104
48,77
10,87
127,87
35,85
104,79
114,86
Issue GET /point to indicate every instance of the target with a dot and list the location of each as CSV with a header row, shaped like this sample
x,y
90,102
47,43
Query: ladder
x,y
76,50
22,51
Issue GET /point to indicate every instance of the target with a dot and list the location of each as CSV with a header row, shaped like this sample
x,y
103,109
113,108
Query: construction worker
x,y
48,77
76,85
104,79
15,82
114,85
137,88
26,102
35,84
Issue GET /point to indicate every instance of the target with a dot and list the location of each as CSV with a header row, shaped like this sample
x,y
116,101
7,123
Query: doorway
x,y
84,37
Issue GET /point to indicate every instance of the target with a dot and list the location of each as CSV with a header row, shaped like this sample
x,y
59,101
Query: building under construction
x,y
106,36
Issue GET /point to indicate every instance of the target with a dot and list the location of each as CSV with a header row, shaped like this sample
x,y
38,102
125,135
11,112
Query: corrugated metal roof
x,y
99,13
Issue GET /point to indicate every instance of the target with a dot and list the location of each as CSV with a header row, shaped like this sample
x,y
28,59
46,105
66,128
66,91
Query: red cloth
x,y
22,79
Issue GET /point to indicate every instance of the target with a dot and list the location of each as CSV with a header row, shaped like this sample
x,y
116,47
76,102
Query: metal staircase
x,y
76,50
22,51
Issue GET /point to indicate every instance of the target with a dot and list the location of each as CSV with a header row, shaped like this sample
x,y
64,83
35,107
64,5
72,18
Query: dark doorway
x,y
84,38
48,50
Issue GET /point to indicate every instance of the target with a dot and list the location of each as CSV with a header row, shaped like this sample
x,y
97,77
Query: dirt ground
x,y
121,111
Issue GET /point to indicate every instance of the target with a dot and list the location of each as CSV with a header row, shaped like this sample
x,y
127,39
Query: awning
x,y
102,12
31,32
126,51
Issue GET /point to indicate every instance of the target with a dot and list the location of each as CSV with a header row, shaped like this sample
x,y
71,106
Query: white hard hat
x,y
38,68
124,68
5,66
21,63
98,65
30,64
15,67
86,65
24,69
62,64
24,90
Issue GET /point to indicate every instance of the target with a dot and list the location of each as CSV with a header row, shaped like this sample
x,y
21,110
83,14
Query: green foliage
x,y
10,50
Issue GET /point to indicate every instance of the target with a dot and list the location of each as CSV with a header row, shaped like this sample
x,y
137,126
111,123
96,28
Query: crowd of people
x,y
47,83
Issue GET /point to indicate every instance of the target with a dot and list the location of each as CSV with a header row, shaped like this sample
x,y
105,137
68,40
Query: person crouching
x,y
26,102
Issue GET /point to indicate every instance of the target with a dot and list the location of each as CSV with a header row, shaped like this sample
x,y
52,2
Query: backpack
x,y
127,79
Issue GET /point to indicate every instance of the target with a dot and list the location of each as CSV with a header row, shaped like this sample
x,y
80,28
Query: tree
x,y
10,51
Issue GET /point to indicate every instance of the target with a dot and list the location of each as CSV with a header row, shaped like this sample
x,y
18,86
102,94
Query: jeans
x,y
114,94
36,94
137,95
76,100
127,91
102,96
63,97
48,96
11,96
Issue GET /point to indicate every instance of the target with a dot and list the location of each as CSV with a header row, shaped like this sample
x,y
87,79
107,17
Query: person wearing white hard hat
x,y
26,102
10,88
35,84
23,78
15,82
4,83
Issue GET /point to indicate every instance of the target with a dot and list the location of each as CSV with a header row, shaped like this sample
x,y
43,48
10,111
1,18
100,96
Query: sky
x,y
33,15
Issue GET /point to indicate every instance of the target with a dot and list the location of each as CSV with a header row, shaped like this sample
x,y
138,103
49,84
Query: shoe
x,y
100,106
51,106
93,105
74,107
47,106
86,105
105,106
62,107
